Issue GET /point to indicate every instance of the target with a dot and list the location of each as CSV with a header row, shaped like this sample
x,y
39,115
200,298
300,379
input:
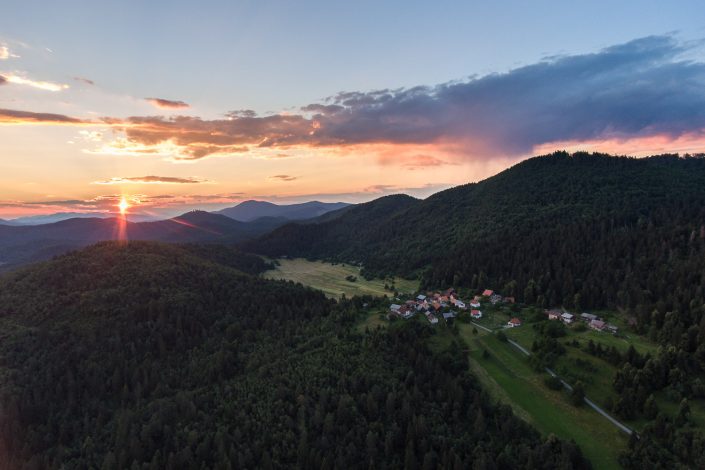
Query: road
x,y
621,426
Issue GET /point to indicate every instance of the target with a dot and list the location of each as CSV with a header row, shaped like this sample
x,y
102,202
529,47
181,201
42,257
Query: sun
x,y
123,206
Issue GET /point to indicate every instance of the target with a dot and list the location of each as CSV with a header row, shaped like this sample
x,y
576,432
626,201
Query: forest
x,y
145,356
581,231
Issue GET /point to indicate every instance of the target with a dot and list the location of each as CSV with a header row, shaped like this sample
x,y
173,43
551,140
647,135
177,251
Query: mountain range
x,y
25,244
35,238
250,210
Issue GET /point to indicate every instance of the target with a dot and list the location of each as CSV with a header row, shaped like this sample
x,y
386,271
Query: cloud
x,y
322,108
638,90
153,180
283,177
414,162
167,104
84,80
241,113
5,53
41,85
12,116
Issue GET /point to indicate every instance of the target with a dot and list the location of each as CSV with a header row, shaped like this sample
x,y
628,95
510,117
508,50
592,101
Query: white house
x,y
567,318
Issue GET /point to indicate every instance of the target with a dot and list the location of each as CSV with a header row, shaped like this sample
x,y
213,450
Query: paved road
x,y
590,403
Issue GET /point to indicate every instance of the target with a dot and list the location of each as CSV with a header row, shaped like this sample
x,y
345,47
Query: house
x,y
611,328
449,315
597,325
567,318
509,300
420,297
554,314
432,319
514,322
477,298
588,317
495,299
460,304
436,305
395,308
487,292
475,313
475,304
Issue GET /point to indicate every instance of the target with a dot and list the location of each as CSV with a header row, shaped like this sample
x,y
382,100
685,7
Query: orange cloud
x,y
283,177
12,116
167,104
640,146
41,85
153,180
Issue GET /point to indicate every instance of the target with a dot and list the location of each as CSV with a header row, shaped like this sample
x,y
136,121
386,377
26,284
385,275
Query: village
x,y
435,304
448,305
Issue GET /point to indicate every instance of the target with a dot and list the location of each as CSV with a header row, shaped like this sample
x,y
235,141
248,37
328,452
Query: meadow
x,y
335,279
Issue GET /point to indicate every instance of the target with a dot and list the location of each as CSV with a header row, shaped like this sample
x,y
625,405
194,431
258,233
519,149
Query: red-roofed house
x,y
598,325
475,313
514,322
487,292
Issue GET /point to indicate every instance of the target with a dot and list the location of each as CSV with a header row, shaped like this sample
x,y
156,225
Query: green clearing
x,y
508,376
331,279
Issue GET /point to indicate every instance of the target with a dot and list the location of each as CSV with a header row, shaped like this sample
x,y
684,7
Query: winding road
x,y
621,426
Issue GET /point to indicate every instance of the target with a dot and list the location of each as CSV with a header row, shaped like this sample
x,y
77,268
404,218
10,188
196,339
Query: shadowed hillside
x,y
161,356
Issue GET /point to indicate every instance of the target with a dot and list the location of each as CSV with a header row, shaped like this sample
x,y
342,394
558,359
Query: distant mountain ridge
x,y
60,216
28,243
251,210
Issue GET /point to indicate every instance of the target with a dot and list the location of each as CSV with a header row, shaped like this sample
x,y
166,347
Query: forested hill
x,y
606,228
149,356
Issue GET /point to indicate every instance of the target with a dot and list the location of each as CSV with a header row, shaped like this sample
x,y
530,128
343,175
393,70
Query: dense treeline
x,y
147,356
581,230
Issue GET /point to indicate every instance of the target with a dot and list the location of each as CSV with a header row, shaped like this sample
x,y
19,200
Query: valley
x,y
512,379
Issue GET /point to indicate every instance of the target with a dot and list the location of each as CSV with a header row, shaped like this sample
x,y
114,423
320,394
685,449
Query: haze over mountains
x,y
250,210
36,238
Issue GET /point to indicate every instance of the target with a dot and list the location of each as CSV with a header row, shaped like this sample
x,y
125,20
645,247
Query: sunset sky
x,y
179,105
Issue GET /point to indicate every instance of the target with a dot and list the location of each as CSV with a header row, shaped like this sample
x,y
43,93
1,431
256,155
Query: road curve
x,y
621,426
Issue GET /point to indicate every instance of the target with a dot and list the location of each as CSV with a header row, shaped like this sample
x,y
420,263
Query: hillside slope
x,y
542,221
146,355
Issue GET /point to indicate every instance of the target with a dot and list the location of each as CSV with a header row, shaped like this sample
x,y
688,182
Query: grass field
x,y
510,379
331,280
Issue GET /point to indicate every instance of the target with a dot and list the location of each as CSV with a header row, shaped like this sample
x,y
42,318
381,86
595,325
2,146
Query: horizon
x,y
283,116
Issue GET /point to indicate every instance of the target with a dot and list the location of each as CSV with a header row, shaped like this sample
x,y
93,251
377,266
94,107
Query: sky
x,y
181,105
